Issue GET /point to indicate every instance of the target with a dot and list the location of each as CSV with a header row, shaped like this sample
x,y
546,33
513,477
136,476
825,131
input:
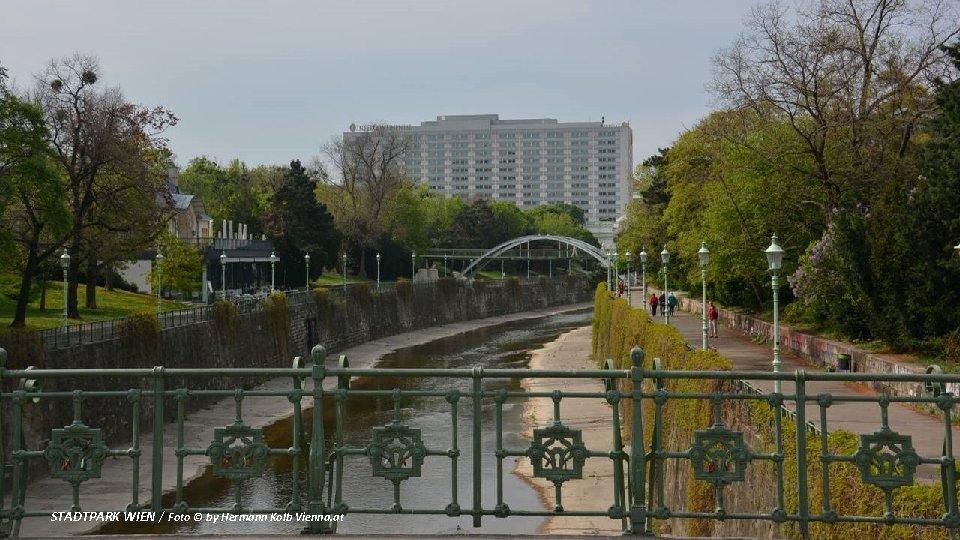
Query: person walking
x,y
653,304
663,304
712,316
672,303
619,288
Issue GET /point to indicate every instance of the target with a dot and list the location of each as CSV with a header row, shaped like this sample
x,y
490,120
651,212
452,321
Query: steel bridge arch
x,y
589,249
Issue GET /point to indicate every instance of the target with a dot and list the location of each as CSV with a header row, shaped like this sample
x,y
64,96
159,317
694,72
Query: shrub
x,y
24,348
448,287
404,289
617,328
224,317
277,310
361,295
140,337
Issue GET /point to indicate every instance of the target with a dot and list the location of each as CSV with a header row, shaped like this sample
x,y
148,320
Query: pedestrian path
x,y
926,430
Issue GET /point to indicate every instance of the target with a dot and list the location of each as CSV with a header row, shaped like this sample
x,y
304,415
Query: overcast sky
x,y
271,81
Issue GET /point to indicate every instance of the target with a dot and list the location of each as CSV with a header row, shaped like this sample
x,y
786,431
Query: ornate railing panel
x,y
398,451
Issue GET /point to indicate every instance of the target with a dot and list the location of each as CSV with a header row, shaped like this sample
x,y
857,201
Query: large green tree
x,y
108,150
849,77
298,224
234,192
32,210
366,177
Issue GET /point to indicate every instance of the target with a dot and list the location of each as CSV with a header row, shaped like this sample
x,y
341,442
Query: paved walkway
x,y
926,430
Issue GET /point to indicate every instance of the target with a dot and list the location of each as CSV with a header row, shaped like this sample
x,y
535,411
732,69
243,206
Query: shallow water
x,y
503,346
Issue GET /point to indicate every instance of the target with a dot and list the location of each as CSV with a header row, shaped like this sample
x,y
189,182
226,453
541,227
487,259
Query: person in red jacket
x,y
712,316
654,302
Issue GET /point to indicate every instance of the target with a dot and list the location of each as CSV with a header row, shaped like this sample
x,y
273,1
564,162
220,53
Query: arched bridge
x,y
589,249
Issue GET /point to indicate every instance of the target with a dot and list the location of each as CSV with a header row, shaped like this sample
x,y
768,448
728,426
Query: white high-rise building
x,y
527,162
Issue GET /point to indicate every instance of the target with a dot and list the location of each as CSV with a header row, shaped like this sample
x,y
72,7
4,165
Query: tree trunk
x,y
109,276
92,279
73,310
20,315
43,294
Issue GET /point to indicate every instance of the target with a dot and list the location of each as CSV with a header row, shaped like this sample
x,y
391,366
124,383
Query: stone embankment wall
x,y
337,321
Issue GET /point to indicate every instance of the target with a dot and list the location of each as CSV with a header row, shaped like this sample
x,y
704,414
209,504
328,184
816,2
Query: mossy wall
x,y
265,338
617,328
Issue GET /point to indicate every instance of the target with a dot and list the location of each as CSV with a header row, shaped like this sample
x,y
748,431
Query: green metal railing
x,y
397,451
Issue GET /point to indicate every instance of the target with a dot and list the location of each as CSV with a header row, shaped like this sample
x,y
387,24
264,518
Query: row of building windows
x,y
603,145
609,132
538,154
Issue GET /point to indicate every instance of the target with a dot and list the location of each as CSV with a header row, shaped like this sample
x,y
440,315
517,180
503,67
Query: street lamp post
x,y
774,263
306,259
629,300
378,271
609,287
704,254
273,272
159,278
344,271
413,265
643,265
616,269
65,264
223,275
665,259
444,265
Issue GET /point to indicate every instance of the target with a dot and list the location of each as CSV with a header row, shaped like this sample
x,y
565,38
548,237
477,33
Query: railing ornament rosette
x,y
398,452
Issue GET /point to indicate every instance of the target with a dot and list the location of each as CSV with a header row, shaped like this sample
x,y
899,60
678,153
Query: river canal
x,y
503,346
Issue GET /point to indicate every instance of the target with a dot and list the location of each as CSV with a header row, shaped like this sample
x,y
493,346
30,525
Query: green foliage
x,y
224,317
24,347
475,226
560,219
513,221
277,310
448,287
513,287
181,267
233,192
618,327
10,287
327,306
139,336
361,295
404,289
297,224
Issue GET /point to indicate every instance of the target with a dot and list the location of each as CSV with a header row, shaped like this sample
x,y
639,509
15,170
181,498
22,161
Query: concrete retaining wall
x,y
351,319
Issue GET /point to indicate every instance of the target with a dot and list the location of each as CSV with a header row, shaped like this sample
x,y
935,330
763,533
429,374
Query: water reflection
x,y
503,346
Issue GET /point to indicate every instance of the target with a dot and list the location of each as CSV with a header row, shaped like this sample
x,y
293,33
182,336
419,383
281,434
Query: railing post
x,y
477,413
315,467
4,524
638,509
803,495
156,463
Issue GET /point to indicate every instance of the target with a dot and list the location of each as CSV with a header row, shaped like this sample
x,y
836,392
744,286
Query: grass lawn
x,y
332,279
112,305
491,274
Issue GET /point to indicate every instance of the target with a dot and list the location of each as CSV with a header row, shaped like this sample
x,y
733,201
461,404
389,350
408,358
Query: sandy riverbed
x,y
591,415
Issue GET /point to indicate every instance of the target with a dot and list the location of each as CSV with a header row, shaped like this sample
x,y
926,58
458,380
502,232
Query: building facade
x,y
527,162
